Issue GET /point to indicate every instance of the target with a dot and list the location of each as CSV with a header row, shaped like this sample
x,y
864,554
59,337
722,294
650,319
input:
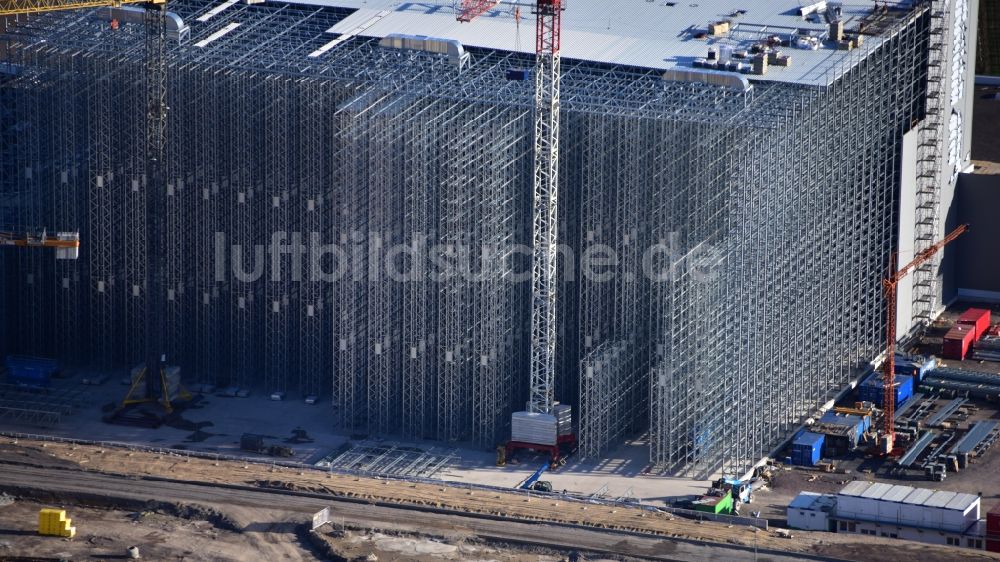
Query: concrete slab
x,y
214,424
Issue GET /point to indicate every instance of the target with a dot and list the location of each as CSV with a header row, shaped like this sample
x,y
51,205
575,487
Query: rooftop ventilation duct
x,y
177,30
451,47
724,79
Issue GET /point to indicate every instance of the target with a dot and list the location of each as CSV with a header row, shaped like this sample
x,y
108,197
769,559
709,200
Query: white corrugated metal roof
x,y
804,500
918,496
939,499
897,493
652,34
908,494
855,488
813,501
877,490
961,502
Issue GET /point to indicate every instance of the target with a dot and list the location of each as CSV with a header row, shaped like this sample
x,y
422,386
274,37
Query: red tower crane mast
x,y
889,286
471,9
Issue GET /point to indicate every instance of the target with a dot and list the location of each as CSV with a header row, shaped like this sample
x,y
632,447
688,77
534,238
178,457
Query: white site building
x,y
893,511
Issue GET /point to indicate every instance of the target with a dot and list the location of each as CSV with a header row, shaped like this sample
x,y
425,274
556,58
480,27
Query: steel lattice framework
x,y
545,208
771,210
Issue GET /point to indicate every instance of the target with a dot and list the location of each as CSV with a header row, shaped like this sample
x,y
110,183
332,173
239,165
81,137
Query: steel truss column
x,y
101,208
545,216
276,183
155,193
385,168
313,207
206,312
241,195
66,187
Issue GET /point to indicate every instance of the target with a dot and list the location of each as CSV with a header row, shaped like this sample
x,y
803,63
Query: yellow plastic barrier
x,y
54,523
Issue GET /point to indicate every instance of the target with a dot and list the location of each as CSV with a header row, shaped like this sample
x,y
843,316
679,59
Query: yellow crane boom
x,y
25,7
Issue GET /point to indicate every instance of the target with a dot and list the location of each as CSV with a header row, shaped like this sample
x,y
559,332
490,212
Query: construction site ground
x,y
62,468
107,533
214,424
980,477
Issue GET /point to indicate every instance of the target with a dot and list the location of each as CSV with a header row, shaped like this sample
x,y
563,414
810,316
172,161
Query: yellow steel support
x,y
24,7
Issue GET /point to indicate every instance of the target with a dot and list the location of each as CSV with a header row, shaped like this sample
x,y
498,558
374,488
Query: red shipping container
x,y
992,545
957,341
979,318
993,522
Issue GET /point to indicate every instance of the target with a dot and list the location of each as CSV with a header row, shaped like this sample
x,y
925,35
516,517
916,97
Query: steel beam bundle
x,y
771,210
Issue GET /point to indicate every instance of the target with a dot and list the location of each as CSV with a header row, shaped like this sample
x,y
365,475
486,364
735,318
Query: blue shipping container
x,y
807,449
905,390
871,390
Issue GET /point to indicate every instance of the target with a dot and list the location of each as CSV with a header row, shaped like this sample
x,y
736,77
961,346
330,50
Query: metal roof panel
x,y
658,35
804,500
918,496
877,490
961,502
855,488
939,499
897,493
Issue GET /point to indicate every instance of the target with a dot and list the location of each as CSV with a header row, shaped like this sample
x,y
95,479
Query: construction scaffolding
x,y
350,217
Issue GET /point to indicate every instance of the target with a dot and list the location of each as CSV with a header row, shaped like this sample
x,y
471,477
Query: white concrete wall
x,y
808,520
970,74
907,228
960,49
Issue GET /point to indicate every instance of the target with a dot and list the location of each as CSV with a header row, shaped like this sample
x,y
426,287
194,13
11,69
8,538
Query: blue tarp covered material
x,y
914,365
807,449
871,390
31,371
859,423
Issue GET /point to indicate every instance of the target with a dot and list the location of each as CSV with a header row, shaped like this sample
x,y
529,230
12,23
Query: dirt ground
x,y
138,463
106,534
358,545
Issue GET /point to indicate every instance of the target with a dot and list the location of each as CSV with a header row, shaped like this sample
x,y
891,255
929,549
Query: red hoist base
x,y
554,451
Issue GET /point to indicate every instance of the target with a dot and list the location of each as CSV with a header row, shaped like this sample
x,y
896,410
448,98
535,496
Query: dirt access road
x,y
251,510
69,469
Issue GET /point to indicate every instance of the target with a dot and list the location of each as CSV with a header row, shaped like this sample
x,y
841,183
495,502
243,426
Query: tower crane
x,y
889,286
155,22
548,30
